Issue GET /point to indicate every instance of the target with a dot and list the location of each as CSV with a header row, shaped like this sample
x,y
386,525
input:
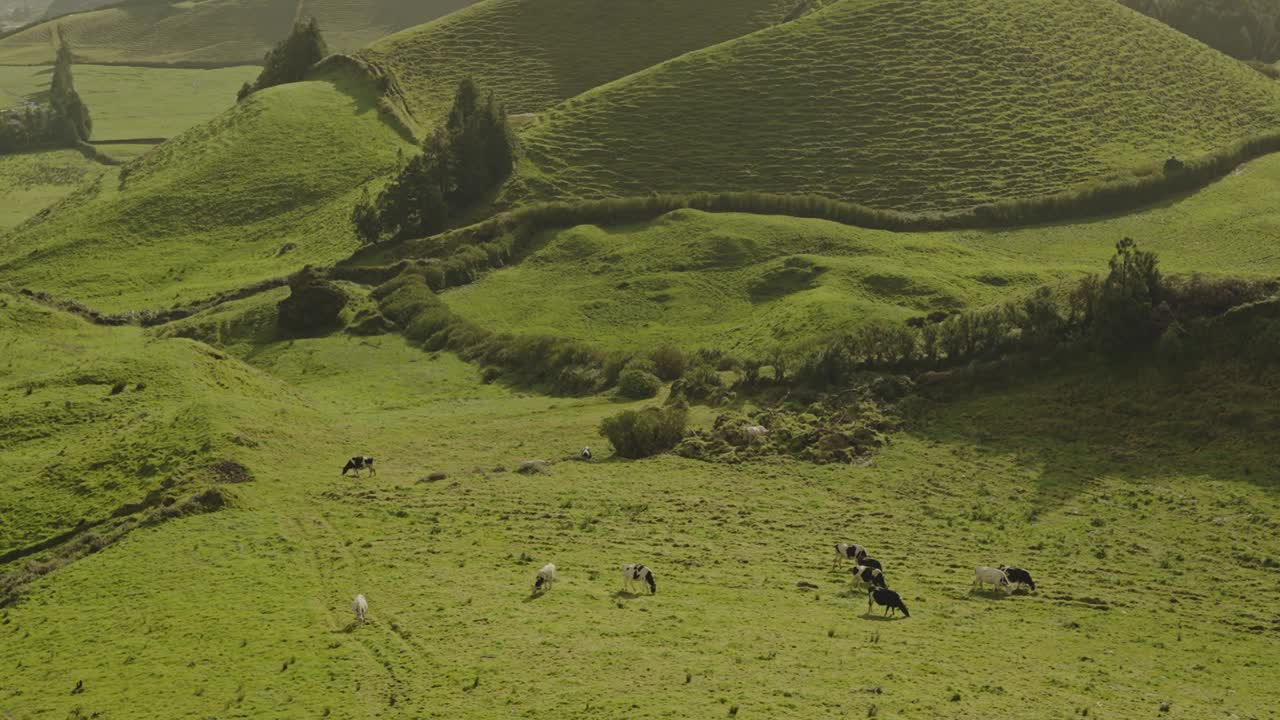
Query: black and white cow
x,y
358,463
545,579
1018,576
848,551
888,599
865,578
585,454
871,563
632,574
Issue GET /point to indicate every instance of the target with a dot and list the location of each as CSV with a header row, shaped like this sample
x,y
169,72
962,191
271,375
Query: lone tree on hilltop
x,y
71,112
290,59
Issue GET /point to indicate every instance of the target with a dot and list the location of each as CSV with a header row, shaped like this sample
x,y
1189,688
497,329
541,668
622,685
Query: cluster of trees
x,y
64,122
1244,29
1131,311
290,59
459,164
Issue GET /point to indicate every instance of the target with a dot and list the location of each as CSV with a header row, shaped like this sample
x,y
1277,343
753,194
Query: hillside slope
x,y
912,105
213,31
535,53
255,193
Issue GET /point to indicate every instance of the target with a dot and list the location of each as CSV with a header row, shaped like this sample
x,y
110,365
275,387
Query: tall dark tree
x,y
290,59
1125,319
72,113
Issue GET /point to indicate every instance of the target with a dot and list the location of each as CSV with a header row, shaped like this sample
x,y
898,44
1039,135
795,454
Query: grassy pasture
x,y
257,192
32,181
246,611
915,106
213,32
710,280
535,53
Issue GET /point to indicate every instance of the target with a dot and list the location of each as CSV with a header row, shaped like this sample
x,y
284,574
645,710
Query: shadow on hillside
x,y
1071,427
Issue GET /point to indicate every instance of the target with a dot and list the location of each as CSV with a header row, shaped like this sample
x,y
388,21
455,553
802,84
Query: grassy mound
x,y
97,418
535,53
213,31
916,106
745,283
255,193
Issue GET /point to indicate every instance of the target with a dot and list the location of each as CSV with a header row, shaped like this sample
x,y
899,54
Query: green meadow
x,y
177,541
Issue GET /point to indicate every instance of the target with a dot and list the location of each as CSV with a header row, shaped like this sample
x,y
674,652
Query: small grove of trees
x,y
290,59
65,121
462,161
1243,29
641,433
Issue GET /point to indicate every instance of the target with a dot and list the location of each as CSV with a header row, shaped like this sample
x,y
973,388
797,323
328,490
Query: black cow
x,y
890,600
1018,576
359,463
871,563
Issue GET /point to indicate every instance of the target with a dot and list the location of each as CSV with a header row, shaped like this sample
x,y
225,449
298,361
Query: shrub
x,y
638,384
637,434
668,363
314,305
699,383
290,59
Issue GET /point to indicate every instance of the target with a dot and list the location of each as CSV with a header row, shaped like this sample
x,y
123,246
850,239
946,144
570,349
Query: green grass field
x,y
933,105
259,191
245,612
219,32
30,182
535,53
750,282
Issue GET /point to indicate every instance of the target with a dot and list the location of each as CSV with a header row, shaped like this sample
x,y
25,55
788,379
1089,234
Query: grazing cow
x,y
358,463
871,563
546,576
755,432
865,578
1018,576
360,606
890,600
848,551
632,574
983,576
585,454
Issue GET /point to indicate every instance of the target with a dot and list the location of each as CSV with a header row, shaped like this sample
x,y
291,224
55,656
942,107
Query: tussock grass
x,y
912,106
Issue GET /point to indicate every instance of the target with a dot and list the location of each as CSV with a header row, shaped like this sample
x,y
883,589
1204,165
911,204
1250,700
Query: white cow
x,y
849,551
546,577
755,432
983,576
360,606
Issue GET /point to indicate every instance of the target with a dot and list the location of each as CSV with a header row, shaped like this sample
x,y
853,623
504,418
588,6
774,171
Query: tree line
x,y
64,122
1243,29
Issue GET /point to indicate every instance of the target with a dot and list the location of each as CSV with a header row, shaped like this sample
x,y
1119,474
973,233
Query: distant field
x,y
748,282
262,189
913,105
30,182
535,53
214,31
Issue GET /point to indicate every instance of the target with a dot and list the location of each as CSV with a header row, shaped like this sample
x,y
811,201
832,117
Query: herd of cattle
x,y
868,573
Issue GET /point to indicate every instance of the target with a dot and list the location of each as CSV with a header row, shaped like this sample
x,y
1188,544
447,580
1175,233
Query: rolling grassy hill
x,y
257,192
535,53
916,106
217,32
748,282
30,182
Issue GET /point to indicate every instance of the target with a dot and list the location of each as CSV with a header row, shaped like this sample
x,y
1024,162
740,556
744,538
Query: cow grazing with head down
x,y
360,606
865,578
1018,576
358,463
546,577
888,599
585,454
633,574
983,576
849,551
871,563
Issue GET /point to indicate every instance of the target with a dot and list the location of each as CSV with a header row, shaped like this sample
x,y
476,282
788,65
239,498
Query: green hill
x,y
213,32
535,53
255,193
916,106
30,182
747,283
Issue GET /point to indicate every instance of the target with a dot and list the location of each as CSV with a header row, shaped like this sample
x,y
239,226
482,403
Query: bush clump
x,y
314,304
642,433
668,363
638,384
290,59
